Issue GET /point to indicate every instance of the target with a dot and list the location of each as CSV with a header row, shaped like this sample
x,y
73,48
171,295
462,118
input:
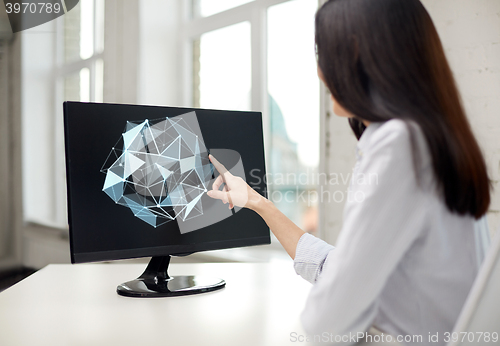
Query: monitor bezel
x,y
164,250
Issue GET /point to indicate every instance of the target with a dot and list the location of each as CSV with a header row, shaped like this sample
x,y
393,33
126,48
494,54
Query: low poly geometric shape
x,y
159,169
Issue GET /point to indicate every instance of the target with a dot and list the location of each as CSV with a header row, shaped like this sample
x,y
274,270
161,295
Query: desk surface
x,y
78,305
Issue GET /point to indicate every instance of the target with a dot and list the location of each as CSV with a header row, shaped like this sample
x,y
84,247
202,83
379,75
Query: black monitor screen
x,y
137,178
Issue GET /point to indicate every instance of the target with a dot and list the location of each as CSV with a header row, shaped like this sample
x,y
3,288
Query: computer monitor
x,y
137,178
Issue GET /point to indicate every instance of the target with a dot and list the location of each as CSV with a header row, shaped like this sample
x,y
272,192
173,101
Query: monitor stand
x,y
155,282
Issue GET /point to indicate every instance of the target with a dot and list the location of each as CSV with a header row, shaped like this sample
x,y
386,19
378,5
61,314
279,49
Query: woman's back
x,y
407,261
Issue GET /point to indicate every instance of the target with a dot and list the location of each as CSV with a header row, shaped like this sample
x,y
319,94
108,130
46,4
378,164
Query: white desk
x,y
78,305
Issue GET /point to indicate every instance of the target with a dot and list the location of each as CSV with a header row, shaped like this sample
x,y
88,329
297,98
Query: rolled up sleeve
x,y
310,257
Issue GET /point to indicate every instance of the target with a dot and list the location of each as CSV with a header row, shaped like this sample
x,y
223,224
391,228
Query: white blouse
x,y
403,262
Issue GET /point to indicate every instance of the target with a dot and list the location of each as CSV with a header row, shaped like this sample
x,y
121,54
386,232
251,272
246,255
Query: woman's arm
x,y
282,227
237,192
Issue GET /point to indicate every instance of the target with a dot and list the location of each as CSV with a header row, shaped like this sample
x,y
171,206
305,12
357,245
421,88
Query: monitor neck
x,y
157,269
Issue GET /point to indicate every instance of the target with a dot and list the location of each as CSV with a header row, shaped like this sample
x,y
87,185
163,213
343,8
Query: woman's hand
x,y
236,191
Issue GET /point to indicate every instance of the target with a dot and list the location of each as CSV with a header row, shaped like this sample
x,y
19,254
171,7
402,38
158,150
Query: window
x,y
212,87
259,55
69,67
81,66
293,89
205,8
80,77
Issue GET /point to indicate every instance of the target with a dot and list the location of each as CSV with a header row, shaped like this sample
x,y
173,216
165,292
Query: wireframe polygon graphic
x,y
159,169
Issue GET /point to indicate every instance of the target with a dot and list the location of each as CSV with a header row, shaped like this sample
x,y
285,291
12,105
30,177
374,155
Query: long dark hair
x,y
383,59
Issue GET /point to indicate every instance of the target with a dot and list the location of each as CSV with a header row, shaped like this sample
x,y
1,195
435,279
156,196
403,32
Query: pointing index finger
x,y
219,166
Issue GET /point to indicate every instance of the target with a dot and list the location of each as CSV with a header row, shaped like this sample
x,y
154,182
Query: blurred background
x,y
221,54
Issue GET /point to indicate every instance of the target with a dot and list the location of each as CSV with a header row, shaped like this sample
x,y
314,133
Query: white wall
x,y
470,32
121,51
10,151
159,53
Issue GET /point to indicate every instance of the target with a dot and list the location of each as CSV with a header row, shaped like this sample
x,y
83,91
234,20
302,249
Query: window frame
x,y
255,12
64,69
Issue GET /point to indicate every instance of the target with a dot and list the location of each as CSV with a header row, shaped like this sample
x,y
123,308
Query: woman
x,y
406,258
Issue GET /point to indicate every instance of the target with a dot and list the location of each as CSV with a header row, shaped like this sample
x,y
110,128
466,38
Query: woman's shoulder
x,y
391,131
396,137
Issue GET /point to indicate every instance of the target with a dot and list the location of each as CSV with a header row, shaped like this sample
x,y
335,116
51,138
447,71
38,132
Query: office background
x,y
227,54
